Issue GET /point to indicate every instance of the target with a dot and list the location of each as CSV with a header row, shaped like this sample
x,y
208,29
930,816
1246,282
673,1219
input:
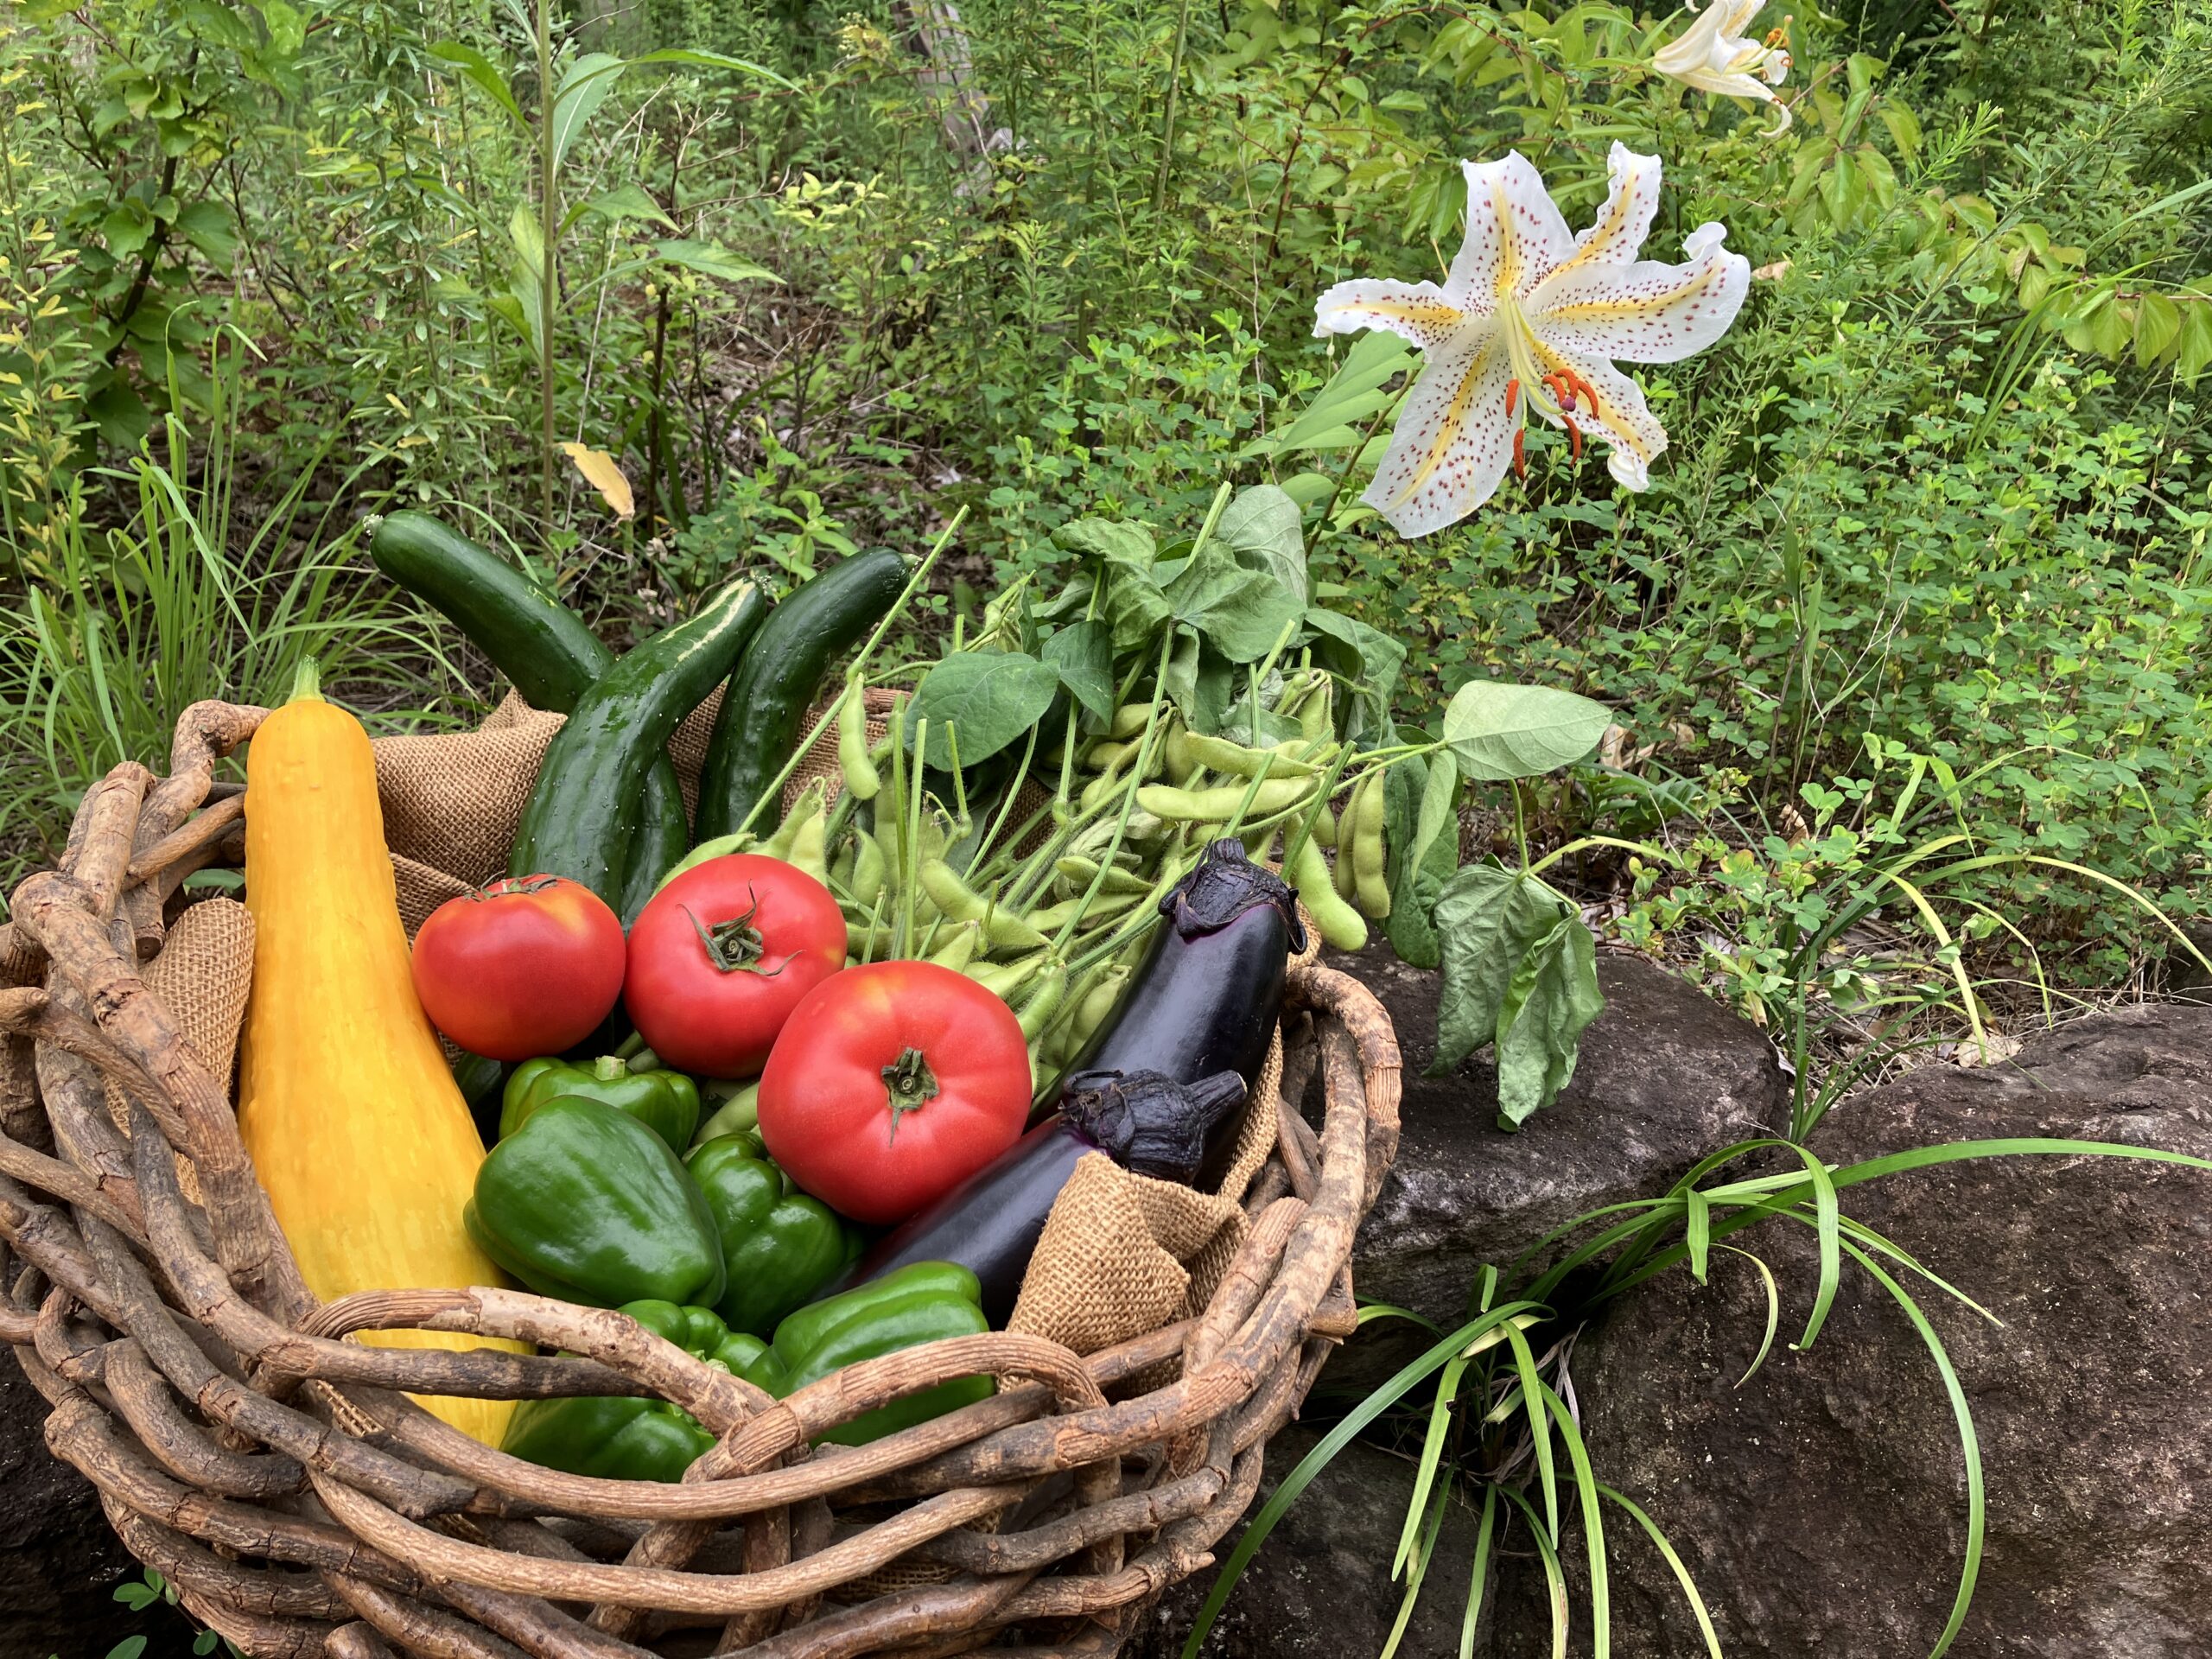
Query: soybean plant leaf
x,y
1124,553
480,69
1554,996
1082,653
1338,415
582,89
1499,731
1369,658
1486,921
1241,613
1197,681
710,260
1438,799
1110,540
1262,525
993,697
627,201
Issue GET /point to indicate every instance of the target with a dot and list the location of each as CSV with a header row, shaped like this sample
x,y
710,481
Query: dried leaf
x,y
600,471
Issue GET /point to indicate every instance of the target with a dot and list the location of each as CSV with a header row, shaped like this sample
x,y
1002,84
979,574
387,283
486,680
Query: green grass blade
x,y
1674,1563
1421,1558
1555,1581
1432,1452
1958,1152
1480,1577
1334,1442
1594,1525
1773,1311
1969,1447
1532,1394
1697,1232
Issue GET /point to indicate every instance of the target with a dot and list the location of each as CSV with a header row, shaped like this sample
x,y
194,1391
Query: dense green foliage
x,y
1924,557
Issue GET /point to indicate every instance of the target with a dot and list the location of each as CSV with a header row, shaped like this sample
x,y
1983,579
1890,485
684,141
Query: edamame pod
x,y
1368,852
1218,804
1045,1002
1340,927
958,902
1341,875
956,954
1081,872
862,780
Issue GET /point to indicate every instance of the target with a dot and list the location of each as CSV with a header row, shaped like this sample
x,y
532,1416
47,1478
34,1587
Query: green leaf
x,y
993,697
1241,612
1264,527
2195,339
1487,920
626,202
1339,413
1554,996
1499,731
131,1646
1367,657
1122,554
1197,681
288,33
127,229
1082,653
480,69
587,83
2157,324
713,60
709,259
207,226
1439,798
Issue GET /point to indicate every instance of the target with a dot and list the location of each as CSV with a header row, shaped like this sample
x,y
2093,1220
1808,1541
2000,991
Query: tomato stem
x,y
735,946
912,1086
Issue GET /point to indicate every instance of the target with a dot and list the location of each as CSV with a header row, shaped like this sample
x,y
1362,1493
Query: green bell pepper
x,y
780,1245
625,1438
918,1303
667,1102
585,1202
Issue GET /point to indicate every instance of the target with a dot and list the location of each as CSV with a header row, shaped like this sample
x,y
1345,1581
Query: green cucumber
x,y
759,724
583,813
540,644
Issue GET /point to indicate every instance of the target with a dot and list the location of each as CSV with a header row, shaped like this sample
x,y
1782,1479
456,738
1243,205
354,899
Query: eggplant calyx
x,y
1147,1123
910,1083
734,946
1223,885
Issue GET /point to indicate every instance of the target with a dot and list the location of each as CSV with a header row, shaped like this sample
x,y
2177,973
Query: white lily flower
x,y
1714,55
1529,319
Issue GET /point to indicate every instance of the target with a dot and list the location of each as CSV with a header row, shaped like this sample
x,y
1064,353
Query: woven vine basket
x,y
301,1503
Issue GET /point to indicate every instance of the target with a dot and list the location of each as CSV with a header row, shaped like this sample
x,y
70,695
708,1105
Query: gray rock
x,y
58,1561
1822,1505
1666,1075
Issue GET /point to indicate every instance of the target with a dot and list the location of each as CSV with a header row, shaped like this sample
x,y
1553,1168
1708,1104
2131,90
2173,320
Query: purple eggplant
x,y
1149,1124
1207,996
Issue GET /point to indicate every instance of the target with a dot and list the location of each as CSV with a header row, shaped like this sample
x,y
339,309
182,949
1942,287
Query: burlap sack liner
x,y
1121,1255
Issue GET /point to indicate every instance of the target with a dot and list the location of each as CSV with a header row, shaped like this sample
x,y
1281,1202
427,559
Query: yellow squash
x,y
355,1127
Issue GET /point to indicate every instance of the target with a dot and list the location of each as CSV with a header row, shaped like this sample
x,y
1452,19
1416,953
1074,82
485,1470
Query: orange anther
x,y
1574,441
1519,461
1512,397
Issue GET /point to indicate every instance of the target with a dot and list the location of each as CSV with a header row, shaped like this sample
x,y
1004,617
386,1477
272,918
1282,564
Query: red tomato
x,y
524,966
720,955
891,1083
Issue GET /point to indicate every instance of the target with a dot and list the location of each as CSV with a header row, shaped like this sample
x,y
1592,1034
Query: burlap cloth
x,y
1121,1255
